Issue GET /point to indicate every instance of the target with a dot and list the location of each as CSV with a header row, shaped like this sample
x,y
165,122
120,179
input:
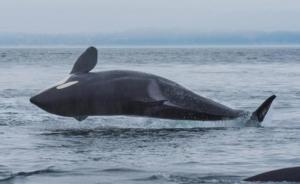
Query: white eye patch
x,y
65,85
61,82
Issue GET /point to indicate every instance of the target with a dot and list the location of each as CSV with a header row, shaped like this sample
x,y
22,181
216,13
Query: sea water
x,y
38,147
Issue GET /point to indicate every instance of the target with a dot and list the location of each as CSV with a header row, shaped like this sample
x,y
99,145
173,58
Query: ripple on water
x,y
48,171
120,170
189,178
141,150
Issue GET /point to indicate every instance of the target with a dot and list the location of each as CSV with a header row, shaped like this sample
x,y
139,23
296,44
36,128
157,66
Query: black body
x,y
121,92
287,174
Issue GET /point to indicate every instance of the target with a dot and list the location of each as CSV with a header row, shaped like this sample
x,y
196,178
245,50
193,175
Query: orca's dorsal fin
x,y
86,61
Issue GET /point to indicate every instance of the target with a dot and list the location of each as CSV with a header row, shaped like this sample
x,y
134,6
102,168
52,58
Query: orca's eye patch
x,y
65,85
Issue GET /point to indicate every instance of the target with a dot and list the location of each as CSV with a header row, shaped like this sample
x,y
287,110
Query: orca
x,y
132,93
291,174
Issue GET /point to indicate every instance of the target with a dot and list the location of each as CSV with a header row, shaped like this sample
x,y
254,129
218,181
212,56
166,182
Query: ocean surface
x,y
38,147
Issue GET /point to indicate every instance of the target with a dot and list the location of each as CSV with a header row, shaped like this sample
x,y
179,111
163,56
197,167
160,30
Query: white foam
x,y
155,123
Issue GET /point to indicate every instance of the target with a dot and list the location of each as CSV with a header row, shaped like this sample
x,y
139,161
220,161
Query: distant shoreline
x,y
151,39
150,46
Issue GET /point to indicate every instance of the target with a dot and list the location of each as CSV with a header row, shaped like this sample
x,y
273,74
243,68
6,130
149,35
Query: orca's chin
x,y
36,101
40,102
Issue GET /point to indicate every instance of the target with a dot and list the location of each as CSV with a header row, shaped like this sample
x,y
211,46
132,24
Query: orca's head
x,y
64,98
59,99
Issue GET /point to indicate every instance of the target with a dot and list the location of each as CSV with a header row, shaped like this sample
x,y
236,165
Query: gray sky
x,y
106,16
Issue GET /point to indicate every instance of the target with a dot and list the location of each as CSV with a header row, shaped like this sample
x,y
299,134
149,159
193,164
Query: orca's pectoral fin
x,y
263,109
80,118
86,61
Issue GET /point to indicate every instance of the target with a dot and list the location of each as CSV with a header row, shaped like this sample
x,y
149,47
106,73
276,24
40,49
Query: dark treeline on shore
x,y
152,38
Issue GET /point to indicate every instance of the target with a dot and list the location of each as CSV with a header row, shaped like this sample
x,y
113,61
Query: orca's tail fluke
x,y
260,113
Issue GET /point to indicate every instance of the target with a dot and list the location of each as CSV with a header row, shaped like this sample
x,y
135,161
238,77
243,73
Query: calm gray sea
x,y
38,147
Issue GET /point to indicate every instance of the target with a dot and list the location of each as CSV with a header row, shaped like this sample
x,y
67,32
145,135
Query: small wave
x,y
129,132
156,178
187,163
117,123
121,170
12,176
190,178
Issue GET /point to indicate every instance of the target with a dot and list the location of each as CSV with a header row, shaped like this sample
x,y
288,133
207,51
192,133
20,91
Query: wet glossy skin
x,y
128,93
287,174
121,92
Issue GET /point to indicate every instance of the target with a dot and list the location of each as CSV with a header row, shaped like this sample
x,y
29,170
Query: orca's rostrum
x,y
132,93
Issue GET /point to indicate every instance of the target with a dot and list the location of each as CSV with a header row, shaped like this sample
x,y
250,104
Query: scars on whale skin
x,y
132,93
